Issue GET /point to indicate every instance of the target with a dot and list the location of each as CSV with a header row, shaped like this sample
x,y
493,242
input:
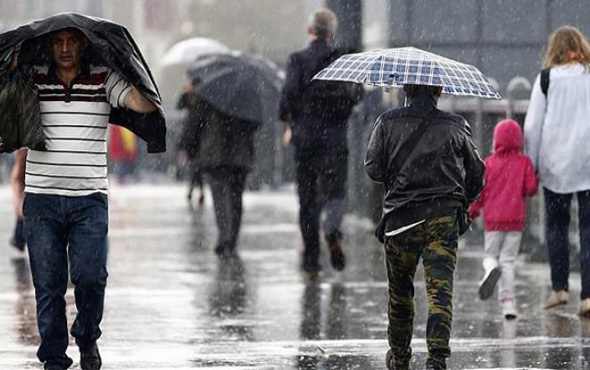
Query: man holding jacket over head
x,y
432,172
66,205
318,114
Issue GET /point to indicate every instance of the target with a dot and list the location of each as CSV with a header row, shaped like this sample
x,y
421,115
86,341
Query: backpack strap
x,y
545,81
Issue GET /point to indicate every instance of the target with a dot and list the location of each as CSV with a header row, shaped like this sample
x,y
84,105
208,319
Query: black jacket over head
x,y
110,45
443,173
319,110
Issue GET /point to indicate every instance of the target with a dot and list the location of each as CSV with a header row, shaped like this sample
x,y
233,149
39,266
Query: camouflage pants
x,y
435,241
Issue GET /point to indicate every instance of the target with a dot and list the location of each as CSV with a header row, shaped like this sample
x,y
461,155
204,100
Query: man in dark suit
x,y
317,113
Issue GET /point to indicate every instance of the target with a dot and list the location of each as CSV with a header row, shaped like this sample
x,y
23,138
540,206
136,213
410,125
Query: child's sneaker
x,y
509,309
488,283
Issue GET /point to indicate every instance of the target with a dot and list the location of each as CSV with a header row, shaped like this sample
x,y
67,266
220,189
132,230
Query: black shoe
x,y
90,358
60,363
54,367
337,257
225,250
310,271
488,283
435,365
311,276
390,362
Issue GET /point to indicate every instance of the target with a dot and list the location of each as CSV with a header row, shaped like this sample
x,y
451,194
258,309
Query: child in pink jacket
x,y
509,178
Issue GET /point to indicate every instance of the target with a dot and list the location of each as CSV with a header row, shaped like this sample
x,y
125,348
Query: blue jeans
x,y
63,230
557,207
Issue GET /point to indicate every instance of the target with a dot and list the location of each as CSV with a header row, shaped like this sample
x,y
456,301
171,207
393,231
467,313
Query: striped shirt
x,y
75,121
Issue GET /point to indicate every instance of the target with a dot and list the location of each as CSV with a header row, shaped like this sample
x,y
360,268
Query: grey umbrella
x,y
175,62
238,84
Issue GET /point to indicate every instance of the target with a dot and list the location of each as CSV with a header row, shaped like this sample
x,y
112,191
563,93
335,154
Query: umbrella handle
x,y
390,80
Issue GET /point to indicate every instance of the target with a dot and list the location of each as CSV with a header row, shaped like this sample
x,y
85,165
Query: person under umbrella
x,y
173,66
317,114
188,141
66,207
236,93
431,171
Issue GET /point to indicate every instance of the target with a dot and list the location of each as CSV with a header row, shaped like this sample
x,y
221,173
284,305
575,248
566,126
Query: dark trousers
x,y
321,179
435,241
227,187
59,231
196,179
557,208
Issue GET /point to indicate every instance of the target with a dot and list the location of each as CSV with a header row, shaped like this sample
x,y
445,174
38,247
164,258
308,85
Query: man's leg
x,y
198,180
439,258
401,260
492,245
221,192
237,185
333,175
309,209
557,208
508,255
87,235
46,236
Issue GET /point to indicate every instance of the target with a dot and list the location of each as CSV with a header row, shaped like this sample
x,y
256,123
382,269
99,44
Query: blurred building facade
x,y
504,38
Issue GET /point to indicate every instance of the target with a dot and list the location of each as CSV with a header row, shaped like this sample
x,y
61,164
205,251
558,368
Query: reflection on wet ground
x,y
171,304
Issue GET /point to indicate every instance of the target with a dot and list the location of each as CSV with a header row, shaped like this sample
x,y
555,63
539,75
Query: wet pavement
x,y
172,305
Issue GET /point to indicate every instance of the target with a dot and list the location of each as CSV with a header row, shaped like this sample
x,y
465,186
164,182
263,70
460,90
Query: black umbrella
x,y
241,85
110,45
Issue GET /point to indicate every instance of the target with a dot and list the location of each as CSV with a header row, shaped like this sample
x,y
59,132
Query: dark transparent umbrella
x,y
241,85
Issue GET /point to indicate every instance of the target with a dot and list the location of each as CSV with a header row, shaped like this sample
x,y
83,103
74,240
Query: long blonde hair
x,y
564,40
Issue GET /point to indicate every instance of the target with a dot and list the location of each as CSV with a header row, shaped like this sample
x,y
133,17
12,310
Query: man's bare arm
x,y
17,182
138,103
14,61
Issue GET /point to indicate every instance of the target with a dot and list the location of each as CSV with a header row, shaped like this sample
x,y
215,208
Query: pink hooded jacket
x,y
509,178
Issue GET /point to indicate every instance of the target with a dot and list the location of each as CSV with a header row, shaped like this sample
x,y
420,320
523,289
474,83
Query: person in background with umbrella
x,y
431,171
237,92
66,207
318,113
188,143
226,155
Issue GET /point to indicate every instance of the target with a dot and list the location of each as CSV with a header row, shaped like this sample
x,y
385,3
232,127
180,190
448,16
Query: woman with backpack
x,y
557,133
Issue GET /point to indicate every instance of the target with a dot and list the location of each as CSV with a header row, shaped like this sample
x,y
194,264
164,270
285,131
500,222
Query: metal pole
x,y
349,38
